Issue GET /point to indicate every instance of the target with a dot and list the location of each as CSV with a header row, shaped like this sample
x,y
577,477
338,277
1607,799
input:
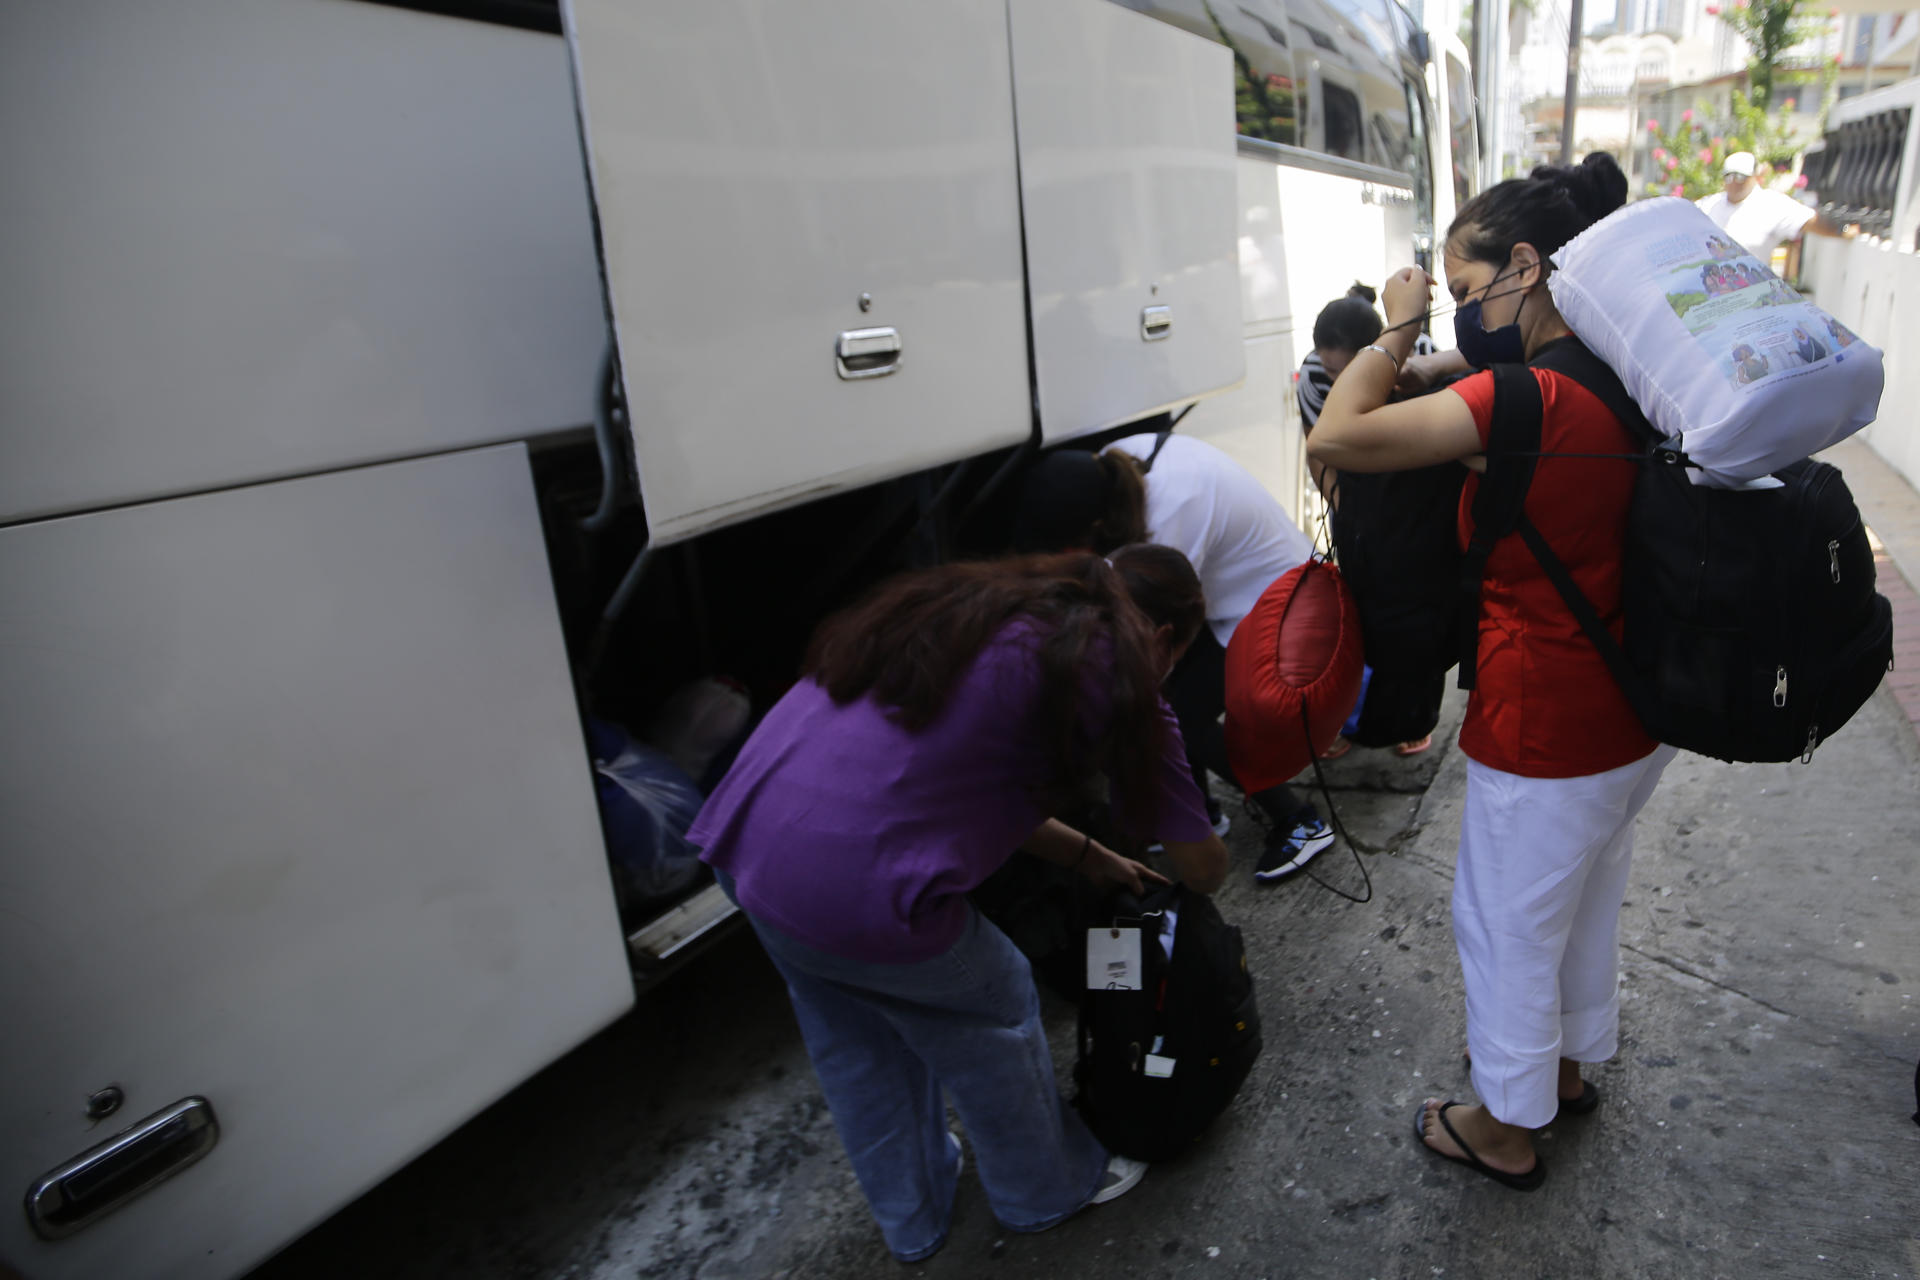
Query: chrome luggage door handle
x,y
105,1177
1155,323
867,353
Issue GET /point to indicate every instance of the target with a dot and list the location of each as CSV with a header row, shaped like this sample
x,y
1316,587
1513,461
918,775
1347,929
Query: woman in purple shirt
x,y
935,729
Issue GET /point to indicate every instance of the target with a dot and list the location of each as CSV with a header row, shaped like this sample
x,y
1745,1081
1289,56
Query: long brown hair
x,y
909,643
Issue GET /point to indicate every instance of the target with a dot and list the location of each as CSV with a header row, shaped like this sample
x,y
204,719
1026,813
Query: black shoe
x,y
1286,854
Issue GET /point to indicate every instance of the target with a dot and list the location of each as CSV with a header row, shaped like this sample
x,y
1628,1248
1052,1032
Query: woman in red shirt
x,y
1558,765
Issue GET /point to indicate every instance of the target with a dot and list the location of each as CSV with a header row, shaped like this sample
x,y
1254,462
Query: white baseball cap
x,y
1740,162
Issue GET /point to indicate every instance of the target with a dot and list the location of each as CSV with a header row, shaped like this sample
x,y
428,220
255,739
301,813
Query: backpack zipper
x,y
1833,559
1780,686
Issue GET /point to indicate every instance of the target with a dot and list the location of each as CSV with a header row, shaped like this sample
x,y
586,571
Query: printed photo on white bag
x,y
1749,322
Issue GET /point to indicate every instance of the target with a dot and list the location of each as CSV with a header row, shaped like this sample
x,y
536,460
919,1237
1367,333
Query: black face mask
x,y
1480,346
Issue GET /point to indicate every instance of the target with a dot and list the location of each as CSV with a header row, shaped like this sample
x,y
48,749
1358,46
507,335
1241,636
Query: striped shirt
x,y
1313,382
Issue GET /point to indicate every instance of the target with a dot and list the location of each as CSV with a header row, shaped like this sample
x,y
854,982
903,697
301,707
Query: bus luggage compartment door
x,y
299,829
809,222
1131,204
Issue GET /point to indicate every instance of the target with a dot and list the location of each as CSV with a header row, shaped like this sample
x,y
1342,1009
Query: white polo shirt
x,y
1762,222
1208,507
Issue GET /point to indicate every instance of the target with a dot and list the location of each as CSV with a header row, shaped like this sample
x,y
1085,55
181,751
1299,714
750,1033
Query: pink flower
x,y
1706,156
1672,164
1660,154
1679,190
1800,181
1713,10
1687,114
1791,103
1653,126
1719,142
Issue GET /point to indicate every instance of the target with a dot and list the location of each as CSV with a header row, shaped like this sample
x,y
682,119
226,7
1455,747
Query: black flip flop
x,y
1528,1181
1585,1104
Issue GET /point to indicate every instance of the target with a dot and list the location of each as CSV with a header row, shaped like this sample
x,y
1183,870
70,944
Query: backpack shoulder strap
x,y
1517,413
1573,359
1159,443
1588,617
1513,443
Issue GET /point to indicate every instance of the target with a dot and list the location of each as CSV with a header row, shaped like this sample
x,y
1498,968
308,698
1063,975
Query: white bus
x,y
322,525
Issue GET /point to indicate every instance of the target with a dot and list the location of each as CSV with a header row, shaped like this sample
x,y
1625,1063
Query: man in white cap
x,y
1760,219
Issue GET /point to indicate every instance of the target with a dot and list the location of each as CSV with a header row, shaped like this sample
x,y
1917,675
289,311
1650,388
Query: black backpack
x,y
1394,539
1393,535
1752,630
1157,1065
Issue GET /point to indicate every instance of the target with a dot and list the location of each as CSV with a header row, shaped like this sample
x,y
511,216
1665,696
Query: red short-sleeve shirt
x,y
1544,704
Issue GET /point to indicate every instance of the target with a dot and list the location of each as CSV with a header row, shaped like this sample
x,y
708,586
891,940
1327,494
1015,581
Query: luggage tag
x,y
1113,959
1158,1065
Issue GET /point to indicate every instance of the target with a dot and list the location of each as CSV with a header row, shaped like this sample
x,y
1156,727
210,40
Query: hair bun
x,y
1364,292
1597,185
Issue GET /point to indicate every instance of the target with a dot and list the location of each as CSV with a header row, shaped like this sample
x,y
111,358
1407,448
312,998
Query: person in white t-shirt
x,y
1761,220
1185,494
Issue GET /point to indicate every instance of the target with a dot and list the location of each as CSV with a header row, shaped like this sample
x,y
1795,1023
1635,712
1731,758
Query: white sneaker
x,y
1123,1175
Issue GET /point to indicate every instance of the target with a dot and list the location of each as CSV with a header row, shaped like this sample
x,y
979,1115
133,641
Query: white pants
x,y
1536,915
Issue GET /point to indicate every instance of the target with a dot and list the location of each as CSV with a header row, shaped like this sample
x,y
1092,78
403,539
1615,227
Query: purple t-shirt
x,y
852,835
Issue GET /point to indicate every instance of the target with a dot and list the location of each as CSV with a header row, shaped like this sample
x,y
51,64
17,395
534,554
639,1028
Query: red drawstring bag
x,y
1293,675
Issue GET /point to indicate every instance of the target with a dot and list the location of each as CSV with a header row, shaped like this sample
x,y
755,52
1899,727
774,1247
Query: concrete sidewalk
x,y
1756,1121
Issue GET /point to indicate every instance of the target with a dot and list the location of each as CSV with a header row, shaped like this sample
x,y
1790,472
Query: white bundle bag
x,y
1722,356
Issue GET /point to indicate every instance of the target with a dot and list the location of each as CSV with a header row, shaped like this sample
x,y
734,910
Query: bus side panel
x,y
1256,422
298,819
249,239
1336,236
771,180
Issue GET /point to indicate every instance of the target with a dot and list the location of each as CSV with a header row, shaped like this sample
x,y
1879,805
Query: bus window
x,y
1264,100
1340,109
1463,146
1362,89
1263,86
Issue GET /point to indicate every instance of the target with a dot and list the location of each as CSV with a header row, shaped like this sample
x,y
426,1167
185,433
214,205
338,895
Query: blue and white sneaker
x,y
1286,854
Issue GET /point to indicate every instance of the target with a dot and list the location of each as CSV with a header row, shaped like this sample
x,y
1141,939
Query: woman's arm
x,y
1421,372
1359,431
1061,845
1201,866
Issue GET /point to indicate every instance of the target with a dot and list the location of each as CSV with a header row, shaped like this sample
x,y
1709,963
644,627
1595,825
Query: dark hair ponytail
x,y
1546,209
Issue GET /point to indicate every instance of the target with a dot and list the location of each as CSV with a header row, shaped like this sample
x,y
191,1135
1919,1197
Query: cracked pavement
x,y
1755,1121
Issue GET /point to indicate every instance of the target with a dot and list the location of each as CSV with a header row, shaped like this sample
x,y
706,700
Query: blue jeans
x,y
885,1038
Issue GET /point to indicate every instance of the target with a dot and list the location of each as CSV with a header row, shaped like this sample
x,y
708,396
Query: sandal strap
x,y
1473,1157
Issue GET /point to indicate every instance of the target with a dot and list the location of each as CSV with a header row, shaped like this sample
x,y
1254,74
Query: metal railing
x,y
1856,170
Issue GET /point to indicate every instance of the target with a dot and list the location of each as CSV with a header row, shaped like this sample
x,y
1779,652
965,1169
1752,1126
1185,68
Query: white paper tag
x,y
1158,1067
1113,959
